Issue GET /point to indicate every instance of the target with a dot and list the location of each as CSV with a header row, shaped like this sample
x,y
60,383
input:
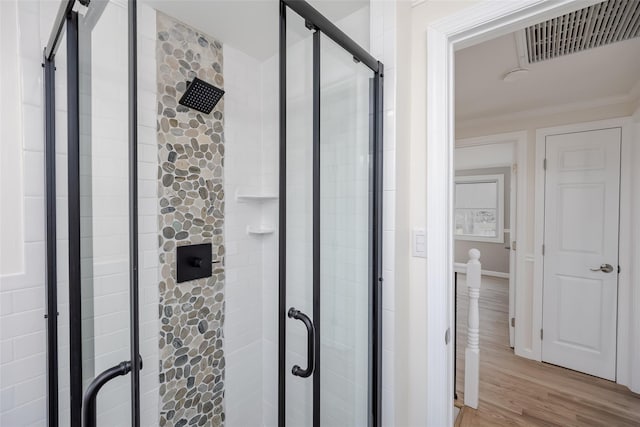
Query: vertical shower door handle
x,y
311,342
89,408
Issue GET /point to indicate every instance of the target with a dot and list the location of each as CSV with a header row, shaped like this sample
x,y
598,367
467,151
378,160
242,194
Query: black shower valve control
x,y
194,262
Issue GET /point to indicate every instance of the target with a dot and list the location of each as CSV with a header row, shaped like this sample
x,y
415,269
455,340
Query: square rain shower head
x,y
201,96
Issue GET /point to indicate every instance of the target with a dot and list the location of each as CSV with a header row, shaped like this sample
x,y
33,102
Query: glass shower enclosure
x,y
330,260
93,310
329,306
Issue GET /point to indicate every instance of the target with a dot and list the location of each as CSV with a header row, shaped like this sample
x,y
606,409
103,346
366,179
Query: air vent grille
x,y
598,25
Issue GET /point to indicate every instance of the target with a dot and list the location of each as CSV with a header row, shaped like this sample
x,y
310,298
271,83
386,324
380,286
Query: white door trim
x,y
519,218
625,312
472,25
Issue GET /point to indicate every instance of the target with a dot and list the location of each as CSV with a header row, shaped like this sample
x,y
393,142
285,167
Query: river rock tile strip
x,y
191,211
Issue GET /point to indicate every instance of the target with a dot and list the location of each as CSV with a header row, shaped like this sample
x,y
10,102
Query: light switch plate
x,y
419,243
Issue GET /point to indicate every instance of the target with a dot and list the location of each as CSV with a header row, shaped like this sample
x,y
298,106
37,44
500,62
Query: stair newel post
x,y
472,352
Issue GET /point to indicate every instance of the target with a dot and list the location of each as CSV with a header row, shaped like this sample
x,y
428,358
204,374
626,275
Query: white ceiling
x,y
248,25
605,72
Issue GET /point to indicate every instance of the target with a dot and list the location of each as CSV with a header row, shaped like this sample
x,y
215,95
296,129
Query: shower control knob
x,y
196,262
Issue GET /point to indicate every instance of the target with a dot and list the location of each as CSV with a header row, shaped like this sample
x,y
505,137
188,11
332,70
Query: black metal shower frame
x,y
316,22
67,19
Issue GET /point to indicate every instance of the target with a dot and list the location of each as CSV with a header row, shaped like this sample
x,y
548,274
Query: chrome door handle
x,y
605,268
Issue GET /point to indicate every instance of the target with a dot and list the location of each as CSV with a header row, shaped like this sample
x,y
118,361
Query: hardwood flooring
x,y
519,392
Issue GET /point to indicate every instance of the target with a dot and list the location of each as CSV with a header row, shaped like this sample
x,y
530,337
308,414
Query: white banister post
x,y
472,352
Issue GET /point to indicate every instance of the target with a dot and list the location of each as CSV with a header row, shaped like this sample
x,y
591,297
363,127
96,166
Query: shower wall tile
x,y
22,357
191,210
148,218
244,285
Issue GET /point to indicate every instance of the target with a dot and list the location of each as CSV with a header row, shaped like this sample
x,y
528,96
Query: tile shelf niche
x,y
255,196
260,230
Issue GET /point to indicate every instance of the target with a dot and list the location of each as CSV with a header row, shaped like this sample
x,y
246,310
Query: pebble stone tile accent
x,y
191,210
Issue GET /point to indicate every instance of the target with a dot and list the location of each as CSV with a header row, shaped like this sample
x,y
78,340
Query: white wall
x,y
412,213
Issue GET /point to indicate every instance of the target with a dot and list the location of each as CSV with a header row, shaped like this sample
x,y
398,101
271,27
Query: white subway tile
x,y
28,345
147,21
31,70
23,369
24,415
389,170
21,323
33,137
388,408
28,299
7,400
6,351
388,291
388,362
34,275
388,250
389,210
33,174
388,332
34,221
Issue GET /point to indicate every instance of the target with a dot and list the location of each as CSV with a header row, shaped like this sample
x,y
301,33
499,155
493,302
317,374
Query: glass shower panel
x,y
62,244
104,203
299,253
345,138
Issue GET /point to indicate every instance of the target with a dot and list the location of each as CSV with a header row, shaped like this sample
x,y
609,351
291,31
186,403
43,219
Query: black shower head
x,y
201,96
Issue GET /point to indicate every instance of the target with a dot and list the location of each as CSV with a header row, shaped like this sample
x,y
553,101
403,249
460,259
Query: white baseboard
x,y
460,267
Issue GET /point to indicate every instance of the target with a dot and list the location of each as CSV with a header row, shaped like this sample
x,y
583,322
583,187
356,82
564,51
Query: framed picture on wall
x,y
479,208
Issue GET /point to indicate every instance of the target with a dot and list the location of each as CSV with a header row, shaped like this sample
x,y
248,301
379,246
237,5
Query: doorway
x,y
474,25
580,249
505,155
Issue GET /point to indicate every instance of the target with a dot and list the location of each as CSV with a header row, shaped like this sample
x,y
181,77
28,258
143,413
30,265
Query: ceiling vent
x,y
598,25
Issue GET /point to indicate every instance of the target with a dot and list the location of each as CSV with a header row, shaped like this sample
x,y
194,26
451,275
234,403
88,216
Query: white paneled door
x,y
582,203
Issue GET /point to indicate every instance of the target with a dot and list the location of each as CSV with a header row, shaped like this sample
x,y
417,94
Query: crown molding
x,y
618,100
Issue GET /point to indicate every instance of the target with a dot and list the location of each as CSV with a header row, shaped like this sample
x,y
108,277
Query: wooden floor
x,y
519,392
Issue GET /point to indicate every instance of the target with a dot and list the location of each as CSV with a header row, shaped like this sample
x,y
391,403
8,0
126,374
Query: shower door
x,y
92,266
330,225
108,236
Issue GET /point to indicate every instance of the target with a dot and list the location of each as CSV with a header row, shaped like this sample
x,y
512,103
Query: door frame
x,y
518,218
625,315
319,24
472,25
